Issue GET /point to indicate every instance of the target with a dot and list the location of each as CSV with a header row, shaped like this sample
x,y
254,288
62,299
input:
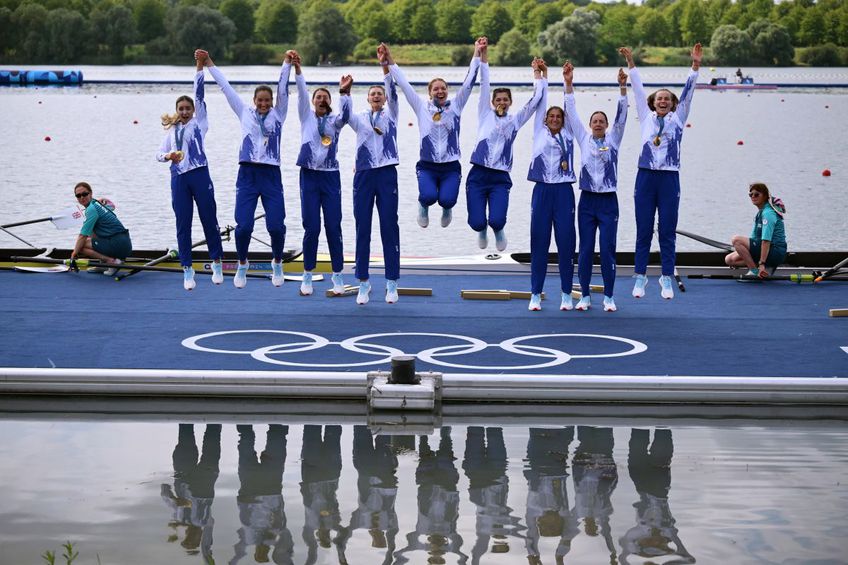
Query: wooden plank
x,y
576,294
484,294
839,312
513,294
592,287
409,291
349,290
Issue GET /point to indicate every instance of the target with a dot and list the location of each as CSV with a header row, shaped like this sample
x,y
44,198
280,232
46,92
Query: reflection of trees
x,y
194,488
260,498
548,512
654,536
321,467
438,503
485,466
595,477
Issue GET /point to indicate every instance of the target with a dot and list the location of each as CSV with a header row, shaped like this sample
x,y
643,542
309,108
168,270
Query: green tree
x,y
540,17
673,14
694,25
491,19
731,46
369,19
736,15
194,27
400,16
513,50
30,22
114,27
772,44
240,13
812,31
7,34
150,19
618,27
276,21
66,35
453,21
826,55
422,28
573,38
324,34
789,15
652,28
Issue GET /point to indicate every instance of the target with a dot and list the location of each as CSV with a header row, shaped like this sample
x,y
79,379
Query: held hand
x,y
389,59
622,78
627,53
381,54
568,72
345,83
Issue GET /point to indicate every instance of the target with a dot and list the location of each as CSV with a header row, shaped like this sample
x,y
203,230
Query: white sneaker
x,y
338,284
217,273
188,278
447,216
584,303
423,216
306,284
667,291
500,240
483,238
240,280
277,276
609,304
535,303
639,286
114,270
391,292
364,292
566,303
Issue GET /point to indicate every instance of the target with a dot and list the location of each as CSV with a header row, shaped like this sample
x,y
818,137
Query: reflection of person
x,y
765,249
597,211
320,469
102,235
548,513
260,499
438,504
438,168
190,181
654,536
320,182
488,488
595,478
662,119
194,488
488,182
375,182
259,173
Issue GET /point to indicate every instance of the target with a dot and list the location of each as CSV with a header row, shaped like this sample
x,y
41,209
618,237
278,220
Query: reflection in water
x,y
650,470
595,477
194,488
321,467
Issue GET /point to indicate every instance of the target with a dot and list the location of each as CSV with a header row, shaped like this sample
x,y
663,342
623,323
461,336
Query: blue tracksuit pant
x,y
378,186
321,191
597,212
656,191
257,181
189,188
552,205
438,182
484,188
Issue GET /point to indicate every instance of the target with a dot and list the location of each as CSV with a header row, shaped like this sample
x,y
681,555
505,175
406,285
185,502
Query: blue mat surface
x,y
83,320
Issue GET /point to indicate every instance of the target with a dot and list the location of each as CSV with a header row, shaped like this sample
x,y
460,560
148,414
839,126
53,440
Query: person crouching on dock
x,y
765,249
102,235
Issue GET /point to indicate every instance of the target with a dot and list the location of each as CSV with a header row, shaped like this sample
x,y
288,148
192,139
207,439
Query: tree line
x,y
740,32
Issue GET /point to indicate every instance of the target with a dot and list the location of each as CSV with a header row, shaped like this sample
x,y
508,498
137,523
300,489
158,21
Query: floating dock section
x,y
28,78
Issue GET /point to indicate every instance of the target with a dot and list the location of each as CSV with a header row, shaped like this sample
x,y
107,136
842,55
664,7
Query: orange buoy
x,y
740,142
826,173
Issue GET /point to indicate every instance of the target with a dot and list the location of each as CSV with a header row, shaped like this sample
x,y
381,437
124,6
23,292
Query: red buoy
x,y
688,125
47,138
826,173
740,142
135,121
410,124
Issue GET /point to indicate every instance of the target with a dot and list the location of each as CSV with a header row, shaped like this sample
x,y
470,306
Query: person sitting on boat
x,y
375,181
320,181
765,249
102,236
259,173
662,119
552,203
598,207
438,169
488,182
190,181
739,76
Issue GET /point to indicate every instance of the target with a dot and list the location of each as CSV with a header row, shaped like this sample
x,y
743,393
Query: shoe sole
x,y
305,293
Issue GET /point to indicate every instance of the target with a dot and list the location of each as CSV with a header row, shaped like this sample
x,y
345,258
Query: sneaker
x,y
447,216
423,216
500,240
667,291
535,303
306,284
584,303
277,276
217,273
391,292
338,284
752,273
240,280
609,304
483,238
566,303
188,278
96,270
114,270
639,286
364,291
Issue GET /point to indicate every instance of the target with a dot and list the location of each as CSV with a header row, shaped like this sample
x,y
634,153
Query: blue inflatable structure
x,y
26,78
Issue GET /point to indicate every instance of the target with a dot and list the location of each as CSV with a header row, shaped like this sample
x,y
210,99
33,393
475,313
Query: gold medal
x,y
437,117
378,131
604,148
179,156
564,165
500,111
657,141
326,140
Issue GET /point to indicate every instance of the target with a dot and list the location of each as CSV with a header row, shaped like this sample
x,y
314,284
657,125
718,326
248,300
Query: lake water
x,y
690,491
790,136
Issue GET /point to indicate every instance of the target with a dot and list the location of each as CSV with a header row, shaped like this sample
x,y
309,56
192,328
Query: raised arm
x,y
233,99
465,90
571,118
200,94
282,105
411,96
639,95
303,106
483,106
685,103
388,82
540,83
343,117
617,130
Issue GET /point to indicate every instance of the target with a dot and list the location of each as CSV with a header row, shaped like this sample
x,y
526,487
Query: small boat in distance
x,y
745,83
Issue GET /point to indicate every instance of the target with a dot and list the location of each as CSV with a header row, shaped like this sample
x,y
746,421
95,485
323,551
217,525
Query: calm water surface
x,y
789,137
695,492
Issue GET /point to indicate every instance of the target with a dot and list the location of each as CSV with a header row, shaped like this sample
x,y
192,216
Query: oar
x,y
679,281
83,263
706,240
798,278
18,238
832,271
26,223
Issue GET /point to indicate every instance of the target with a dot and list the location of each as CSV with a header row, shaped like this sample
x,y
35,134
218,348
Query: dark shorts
x,y
777,253
117,246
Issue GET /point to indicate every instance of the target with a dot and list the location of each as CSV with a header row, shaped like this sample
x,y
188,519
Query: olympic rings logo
x,y
304,341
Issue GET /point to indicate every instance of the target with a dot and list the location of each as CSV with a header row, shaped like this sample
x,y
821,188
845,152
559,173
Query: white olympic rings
x,y
549,356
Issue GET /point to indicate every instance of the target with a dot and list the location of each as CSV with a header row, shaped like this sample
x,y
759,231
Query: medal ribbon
x,y
261,119
375,118
322,123
561,144
441,109
179,134
661,120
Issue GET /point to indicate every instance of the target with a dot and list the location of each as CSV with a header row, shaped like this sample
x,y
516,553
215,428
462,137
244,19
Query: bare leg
x,y
88,251
741,256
